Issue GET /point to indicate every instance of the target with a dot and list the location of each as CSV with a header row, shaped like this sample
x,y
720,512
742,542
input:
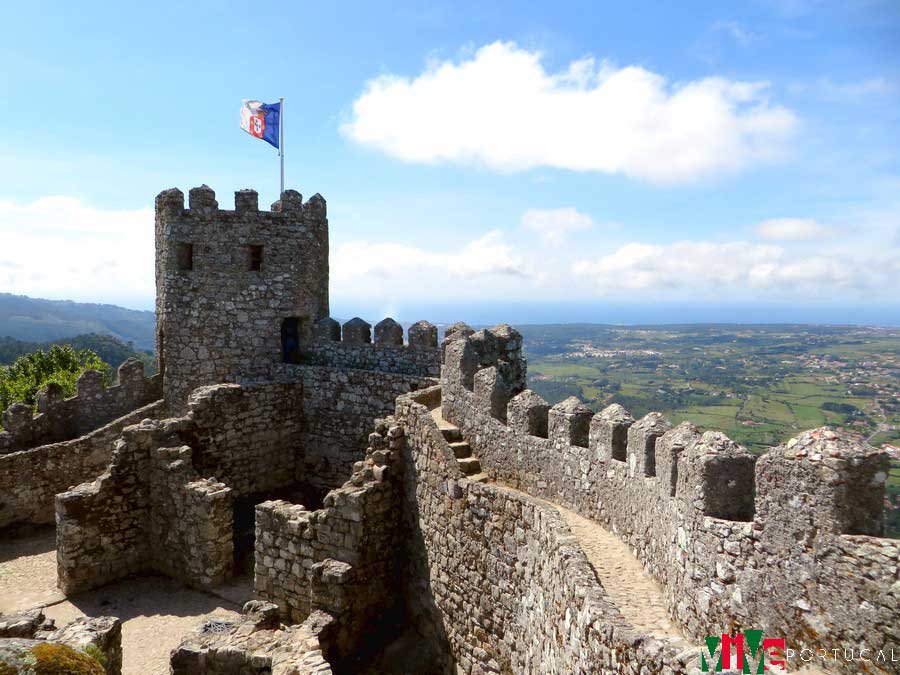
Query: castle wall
x,y
339,406
227,280
248,437
784,543
342,558
30,479
497,577
400,360
94,405
153,509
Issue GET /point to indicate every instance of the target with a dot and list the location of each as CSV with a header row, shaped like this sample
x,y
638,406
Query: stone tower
x,y
236,291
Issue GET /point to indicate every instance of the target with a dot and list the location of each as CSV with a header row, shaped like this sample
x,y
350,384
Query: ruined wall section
x,y
30,479
339,407
154,509
248,437
61,419
342,558
256,643
735,541
226,281
497,577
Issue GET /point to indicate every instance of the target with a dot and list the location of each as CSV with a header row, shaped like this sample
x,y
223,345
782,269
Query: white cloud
x,y
501,108
711,269
555,225
854,91
59,247
399,270
792,229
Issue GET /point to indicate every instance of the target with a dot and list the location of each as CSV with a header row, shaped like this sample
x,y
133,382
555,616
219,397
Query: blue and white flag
x,y
261,120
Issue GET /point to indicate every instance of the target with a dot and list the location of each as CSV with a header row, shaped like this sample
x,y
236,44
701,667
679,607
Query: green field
x,y
761,385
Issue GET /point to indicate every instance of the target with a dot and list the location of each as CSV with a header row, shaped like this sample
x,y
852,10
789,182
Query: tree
x,y
61,364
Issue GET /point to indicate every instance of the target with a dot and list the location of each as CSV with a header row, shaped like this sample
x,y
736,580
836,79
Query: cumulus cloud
x,y
792,229
61,248
554,226
712,268
411,271
502,109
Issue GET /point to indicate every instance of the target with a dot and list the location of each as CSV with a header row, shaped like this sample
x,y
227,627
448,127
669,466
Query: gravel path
x,y
155,611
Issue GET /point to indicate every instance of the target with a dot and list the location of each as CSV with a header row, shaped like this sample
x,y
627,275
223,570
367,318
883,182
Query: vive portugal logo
x,y
748,652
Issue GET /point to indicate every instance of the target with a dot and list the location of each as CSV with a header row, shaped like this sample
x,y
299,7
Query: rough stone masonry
x,y
336,462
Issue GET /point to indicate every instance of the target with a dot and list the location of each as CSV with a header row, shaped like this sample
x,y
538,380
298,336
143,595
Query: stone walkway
x,y
155,611
629,586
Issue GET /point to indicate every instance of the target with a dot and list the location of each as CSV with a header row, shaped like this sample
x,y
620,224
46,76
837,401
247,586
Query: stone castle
x,y
363,481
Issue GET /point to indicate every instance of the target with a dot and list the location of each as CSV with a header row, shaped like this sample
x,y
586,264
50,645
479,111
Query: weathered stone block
x,y
822,480
715,476
569,422
527,413
642,436
669,447
388,333
609,433
327,330
357,331
423,334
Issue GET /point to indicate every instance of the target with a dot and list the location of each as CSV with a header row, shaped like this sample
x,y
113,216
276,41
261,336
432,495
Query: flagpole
x,y
281,140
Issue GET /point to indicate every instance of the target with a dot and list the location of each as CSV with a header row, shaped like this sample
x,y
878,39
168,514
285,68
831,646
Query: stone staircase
x,y
467,462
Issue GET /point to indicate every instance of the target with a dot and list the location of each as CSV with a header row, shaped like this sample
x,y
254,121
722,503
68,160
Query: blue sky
x,y
485,161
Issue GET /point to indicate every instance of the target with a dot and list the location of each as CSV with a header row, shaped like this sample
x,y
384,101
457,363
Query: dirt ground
x,y
155,611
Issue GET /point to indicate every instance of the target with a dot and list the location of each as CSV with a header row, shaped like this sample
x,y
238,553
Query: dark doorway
x,y
290,339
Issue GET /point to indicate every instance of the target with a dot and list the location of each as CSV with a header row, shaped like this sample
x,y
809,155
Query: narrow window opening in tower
x,y
184,256
255,257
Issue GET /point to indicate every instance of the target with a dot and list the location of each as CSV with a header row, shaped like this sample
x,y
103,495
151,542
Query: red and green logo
x,y
748,651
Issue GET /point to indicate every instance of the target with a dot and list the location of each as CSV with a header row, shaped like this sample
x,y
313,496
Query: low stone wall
x,y
30,479
497,577
258,643
94,405
785,543
149,510
342,558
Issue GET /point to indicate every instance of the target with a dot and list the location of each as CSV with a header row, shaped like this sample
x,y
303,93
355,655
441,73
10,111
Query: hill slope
x,y
37,320
111,350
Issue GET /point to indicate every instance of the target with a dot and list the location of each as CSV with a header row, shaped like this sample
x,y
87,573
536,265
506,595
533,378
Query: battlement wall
x,y
785,542
496,577
30,479
235,287
61,419
352,346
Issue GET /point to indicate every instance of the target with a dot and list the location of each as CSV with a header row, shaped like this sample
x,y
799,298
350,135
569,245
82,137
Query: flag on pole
x,y
262,120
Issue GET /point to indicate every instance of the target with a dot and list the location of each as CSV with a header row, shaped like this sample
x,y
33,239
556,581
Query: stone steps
x,y
469,465
452,434
461,449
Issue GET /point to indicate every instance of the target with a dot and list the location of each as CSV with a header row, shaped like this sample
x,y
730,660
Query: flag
x,y
261,120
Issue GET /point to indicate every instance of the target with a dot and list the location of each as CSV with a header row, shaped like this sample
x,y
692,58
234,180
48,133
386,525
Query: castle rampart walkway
x,y
637,595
